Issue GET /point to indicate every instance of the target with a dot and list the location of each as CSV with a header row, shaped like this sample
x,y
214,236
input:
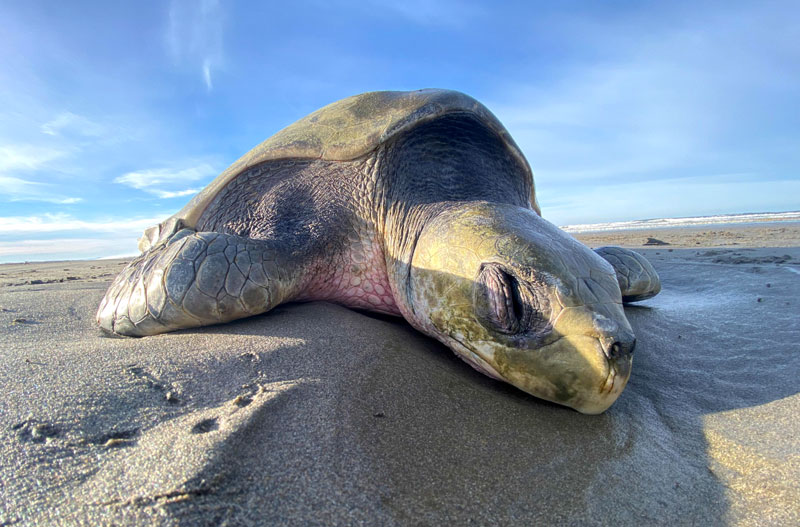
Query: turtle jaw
x,y
585,365
574,371
583,372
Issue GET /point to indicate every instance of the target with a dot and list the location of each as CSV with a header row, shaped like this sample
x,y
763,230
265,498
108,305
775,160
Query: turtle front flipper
x,y
637,278
194,279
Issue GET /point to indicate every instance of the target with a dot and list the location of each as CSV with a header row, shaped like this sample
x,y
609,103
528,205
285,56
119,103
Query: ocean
x,y
695,221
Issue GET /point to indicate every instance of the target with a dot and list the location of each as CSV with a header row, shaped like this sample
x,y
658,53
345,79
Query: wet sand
x,y
316,414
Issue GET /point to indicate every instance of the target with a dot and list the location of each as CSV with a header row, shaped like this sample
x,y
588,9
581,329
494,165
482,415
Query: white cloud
x,y
12,186
52,223
66,248
160,176
17,189
194,35
73,123
207,73
49,199
27,157
432,12
64,237
165,194
154,180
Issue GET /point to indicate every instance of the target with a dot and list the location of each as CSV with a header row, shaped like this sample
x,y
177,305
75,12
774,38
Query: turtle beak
x,y
611,352
585,366
619,355
620,347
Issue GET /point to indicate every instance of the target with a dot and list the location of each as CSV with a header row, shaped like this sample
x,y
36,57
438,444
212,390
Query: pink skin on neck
x,y
358,280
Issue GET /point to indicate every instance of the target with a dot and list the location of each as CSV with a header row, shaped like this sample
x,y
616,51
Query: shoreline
x,y
690,221
732,236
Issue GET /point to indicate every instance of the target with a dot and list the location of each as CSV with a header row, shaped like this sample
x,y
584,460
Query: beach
x,y
314,414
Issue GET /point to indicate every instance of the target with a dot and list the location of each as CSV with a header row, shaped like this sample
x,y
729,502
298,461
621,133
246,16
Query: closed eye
x,y
506,305
498,299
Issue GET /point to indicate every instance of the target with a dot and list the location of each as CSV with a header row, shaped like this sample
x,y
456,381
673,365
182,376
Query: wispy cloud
x,y
27,157
165,194
153,181
194,35
447,13
63,236
12,186
18,189
68,122
143,179
53,223
65,248
207,73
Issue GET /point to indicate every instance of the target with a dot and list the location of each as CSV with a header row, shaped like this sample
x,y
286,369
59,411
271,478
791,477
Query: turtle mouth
x,y
584,373
613,362
619,357
618,373
474,359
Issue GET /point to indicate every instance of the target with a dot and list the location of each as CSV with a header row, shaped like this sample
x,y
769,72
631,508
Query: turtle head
x,y
524,302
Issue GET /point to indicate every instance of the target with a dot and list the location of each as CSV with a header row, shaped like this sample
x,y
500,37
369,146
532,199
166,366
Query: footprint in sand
x,y
205,426
37,432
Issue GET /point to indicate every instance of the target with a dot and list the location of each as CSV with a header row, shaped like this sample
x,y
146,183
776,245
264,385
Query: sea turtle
x,y
416,204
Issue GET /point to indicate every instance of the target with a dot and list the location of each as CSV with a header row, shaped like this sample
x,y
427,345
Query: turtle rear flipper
x,y
637,278
194,279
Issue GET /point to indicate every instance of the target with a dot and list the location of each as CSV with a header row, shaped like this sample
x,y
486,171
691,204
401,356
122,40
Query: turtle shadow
x,y
445,432
637,308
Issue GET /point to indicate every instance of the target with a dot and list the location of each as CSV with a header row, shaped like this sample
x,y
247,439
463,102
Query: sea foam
x,y
657,223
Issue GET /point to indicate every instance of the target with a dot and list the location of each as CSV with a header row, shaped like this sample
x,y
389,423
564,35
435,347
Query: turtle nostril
x,y
619,350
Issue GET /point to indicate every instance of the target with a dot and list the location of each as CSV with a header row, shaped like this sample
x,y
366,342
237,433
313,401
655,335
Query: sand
x,y
316,414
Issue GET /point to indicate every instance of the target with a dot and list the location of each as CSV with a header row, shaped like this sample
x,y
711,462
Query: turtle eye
x,y
498,301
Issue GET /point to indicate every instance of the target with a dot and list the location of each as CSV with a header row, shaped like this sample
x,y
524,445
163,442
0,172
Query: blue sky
x,y
112,114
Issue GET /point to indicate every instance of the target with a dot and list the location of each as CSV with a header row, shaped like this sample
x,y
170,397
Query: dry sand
x,y
315,414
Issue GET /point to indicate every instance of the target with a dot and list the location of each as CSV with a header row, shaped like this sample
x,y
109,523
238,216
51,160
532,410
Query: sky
x,y
113,114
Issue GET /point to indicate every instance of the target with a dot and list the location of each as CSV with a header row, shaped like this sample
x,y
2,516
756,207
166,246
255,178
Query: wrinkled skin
x,y
523,302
